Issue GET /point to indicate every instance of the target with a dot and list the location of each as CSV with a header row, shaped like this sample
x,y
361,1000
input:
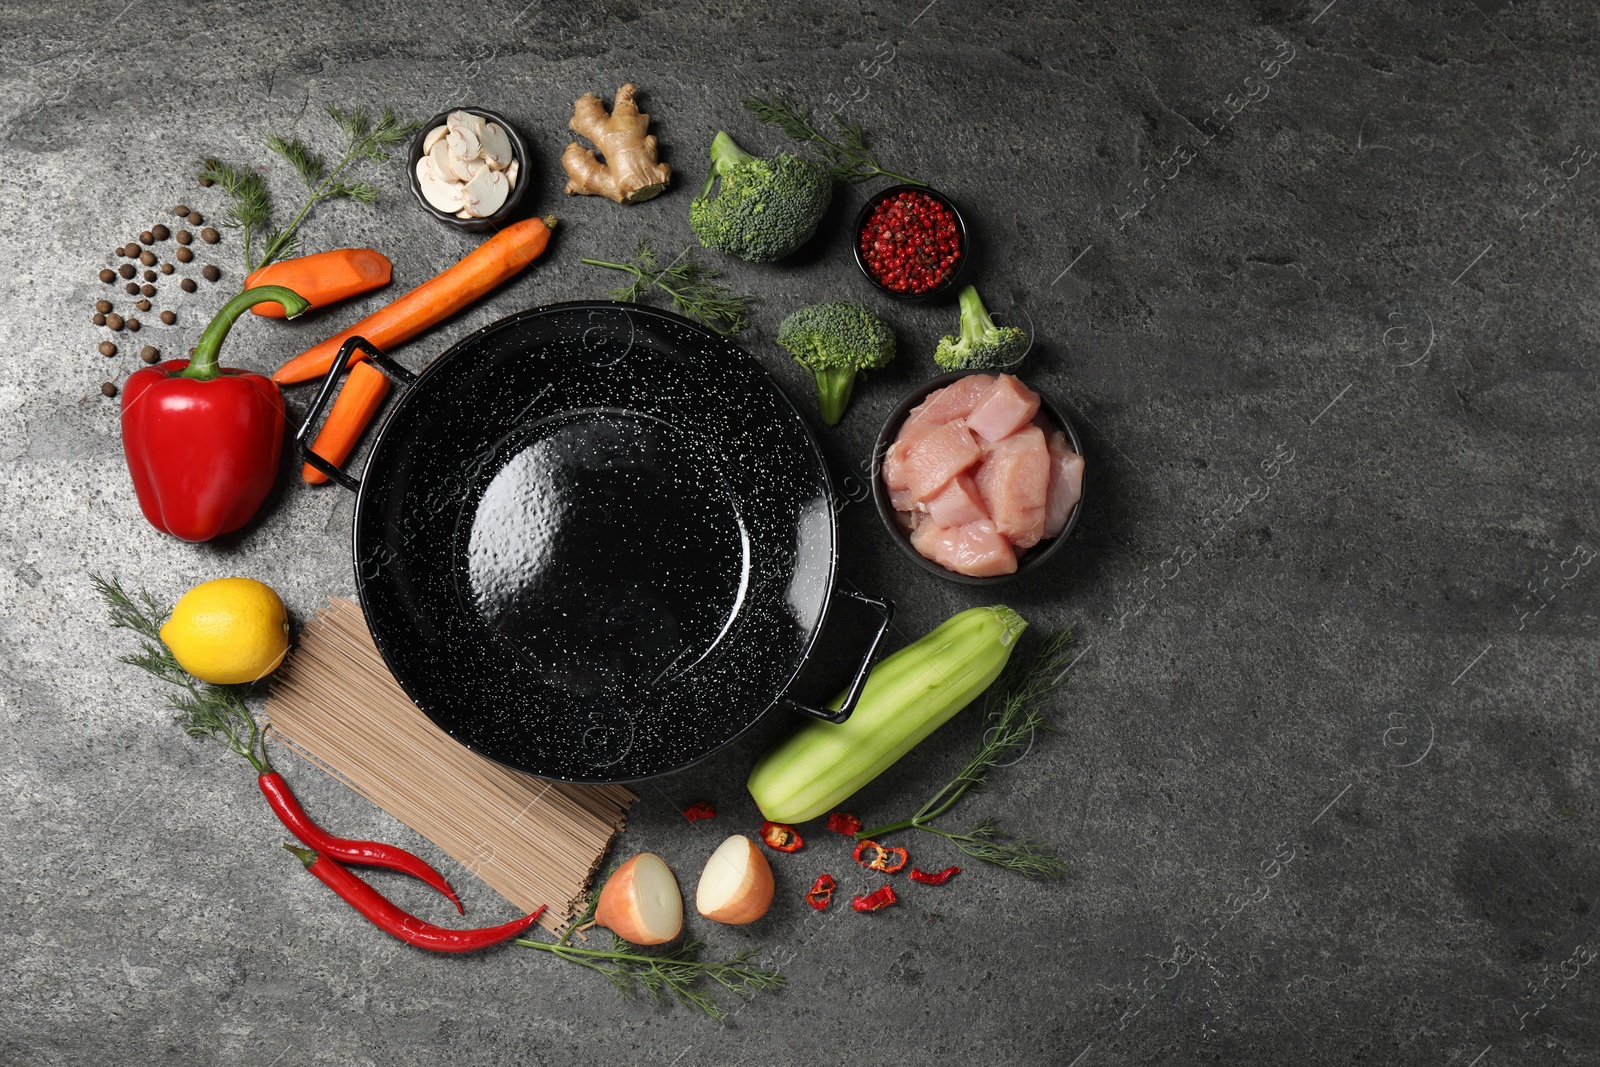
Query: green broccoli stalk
x,y
982,343
768,207
836,342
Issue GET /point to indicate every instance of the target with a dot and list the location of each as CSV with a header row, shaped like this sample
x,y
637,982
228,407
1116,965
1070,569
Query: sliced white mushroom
x,y
466,134
496,146
446,196
465,214
439,161
486,192
433,138
511,175
463,169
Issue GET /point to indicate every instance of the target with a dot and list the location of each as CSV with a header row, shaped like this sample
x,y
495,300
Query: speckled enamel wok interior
x,y
595,541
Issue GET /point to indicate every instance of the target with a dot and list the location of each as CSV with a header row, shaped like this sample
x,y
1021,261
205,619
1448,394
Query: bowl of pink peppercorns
x,y
911,242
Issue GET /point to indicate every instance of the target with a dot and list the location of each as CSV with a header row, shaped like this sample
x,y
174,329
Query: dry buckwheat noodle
x,y
534,842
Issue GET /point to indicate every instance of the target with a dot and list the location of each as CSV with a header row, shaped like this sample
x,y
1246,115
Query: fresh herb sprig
x,y
845,155
204,710
691,286
1014,711
676,973
251,209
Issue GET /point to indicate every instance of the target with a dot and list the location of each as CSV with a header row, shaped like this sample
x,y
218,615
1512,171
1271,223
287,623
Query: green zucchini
x,y
907,696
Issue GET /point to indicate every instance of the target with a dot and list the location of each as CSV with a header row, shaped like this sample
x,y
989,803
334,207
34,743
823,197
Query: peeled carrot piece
x,y
358,401
501,257
325,278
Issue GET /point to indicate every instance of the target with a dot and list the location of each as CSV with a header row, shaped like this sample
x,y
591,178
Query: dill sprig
x,y
690,285
675,973
1015,710
251,208
845,155
204,710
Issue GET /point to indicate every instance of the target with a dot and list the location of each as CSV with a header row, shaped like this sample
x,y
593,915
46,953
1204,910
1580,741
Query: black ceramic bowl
x,y
961,258
519,151
1034,558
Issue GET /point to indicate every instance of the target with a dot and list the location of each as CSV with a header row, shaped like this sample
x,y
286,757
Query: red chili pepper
x,y
367,853
883,859
700,809
781,837
202,441
388,917
875,900
820,895
841,823
936,878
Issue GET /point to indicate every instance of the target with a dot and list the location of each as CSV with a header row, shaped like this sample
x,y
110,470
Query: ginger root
x,y
630,172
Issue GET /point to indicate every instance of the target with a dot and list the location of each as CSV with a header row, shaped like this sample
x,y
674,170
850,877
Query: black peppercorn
x,y
132,288
107,389
149,354
160,231
98,319
168,317
211,273
127,270
108,275
107,348
114,321
184,255
210,236
147,289
188,285
184,237
102,306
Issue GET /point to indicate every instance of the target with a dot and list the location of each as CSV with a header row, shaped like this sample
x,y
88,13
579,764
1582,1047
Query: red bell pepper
x,y
202,440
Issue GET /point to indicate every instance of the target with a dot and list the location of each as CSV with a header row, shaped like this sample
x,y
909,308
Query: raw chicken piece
x,y
1066,483
940,455
1003,408
954,401
976,548
901,499
894,466
957,504
1014,483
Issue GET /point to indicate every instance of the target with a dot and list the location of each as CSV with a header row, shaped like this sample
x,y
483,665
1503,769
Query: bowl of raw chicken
x,y
978,477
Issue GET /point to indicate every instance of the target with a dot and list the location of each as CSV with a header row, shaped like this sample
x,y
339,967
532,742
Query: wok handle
x,y
304,438
885,609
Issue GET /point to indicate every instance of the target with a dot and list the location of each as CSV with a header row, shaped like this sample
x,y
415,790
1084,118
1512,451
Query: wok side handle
x,y
885,610
304,437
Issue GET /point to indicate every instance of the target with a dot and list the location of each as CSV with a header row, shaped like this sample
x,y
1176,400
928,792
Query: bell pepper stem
x,y
206,363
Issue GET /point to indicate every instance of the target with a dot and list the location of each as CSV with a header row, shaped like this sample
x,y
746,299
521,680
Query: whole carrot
x,y
359,400
391,919
501,257
324,278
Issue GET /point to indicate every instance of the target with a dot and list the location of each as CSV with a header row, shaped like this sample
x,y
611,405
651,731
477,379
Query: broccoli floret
x,y
835,342
768,207
982,343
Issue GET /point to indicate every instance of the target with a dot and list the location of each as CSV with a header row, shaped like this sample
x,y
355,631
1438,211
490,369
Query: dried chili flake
x,y
841,823
781,837
881,858
875,900
820,895
935,878
700,809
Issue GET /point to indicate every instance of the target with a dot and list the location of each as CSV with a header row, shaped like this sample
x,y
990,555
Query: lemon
x,y
228,631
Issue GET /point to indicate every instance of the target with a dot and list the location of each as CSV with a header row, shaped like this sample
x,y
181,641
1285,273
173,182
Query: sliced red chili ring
x,y
841,823
700,809
781,837
875,900
820,895
885,859
936,877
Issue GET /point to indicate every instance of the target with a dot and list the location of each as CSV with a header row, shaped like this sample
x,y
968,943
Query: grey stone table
x,y
1316,280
